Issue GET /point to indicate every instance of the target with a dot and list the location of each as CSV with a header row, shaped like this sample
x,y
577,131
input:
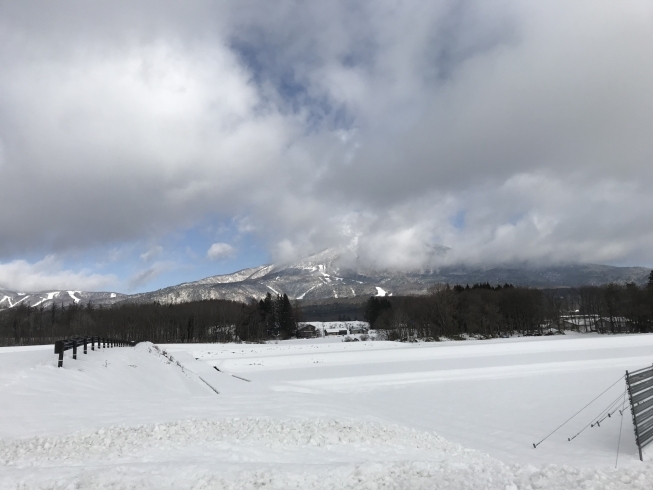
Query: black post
x,y
85,340
74,349
92,343
58,349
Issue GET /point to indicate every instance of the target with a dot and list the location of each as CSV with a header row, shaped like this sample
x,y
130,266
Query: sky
x,y
148,143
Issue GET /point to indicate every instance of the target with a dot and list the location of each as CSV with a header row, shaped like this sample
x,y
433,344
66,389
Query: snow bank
x,y
115,442
240,453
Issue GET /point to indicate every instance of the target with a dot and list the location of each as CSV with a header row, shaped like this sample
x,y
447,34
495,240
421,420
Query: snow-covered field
x,y
321,413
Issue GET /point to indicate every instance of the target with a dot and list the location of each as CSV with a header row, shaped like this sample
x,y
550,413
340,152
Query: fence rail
x,y
61,346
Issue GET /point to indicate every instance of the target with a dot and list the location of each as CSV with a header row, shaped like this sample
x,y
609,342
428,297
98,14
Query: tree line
x,y
196,321
481,310
487,311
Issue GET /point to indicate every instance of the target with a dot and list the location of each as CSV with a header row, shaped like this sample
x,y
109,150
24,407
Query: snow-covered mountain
x,y
11,299
336,274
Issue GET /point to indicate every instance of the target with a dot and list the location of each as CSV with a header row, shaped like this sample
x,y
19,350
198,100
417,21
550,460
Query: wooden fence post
x,y
60,346
58,349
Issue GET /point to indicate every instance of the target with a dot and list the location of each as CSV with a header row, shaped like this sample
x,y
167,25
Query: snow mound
x,y
115,442
239,453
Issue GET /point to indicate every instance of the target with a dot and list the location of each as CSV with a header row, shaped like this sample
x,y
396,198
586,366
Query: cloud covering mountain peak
x,y
505,131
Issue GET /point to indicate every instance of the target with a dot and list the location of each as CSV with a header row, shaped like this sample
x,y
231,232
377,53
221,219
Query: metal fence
x,y
60,346
640,392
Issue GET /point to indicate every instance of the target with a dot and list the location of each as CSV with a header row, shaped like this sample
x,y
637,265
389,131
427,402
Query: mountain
x,y
10,299
337,274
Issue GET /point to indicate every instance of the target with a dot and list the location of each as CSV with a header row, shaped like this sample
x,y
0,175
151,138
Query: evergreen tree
x,y
374,307
287,325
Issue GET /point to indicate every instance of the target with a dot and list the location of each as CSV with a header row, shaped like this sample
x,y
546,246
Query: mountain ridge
x,y
338,274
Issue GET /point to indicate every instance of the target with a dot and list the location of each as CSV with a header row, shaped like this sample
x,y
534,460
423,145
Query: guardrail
x,y
61,346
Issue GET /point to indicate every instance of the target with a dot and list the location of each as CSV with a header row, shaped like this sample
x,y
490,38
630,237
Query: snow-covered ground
x,y
321,413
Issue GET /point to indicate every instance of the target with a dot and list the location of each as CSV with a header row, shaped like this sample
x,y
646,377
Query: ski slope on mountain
x,y
335,273
320,413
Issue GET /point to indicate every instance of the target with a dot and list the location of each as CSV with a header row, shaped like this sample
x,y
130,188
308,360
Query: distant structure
x,y
307,332
595,323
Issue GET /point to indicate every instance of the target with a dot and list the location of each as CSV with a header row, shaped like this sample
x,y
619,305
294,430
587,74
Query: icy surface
x,y
319,413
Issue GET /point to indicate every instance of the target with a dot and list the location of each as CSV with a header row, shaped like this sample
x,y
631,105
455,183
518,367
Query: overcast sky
x,y
147,143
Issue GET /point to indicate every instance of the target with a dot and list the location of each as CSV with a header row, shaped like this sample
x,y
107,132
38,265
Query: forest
x,y
494,311
480,310
198,321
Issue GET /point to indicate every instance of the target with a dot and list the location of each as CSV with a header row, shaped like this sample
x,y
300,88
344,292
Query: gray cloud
x,y
152,253
144,276
325,123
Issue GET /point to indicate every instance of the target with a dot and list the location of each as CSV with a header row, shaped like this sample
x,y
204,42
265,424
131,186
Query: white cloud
x,y
48,274
220,250
152,253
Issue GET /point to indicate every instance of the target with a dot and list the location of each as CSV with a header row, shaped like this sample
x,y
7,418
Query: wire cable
x,y
616,462
592,424
565,422
607,411
609,414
